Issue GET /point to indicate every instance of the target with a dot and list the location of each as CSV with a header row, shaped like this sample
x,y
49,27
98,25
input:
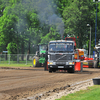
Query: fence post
x,y
17,58
26,59
9,58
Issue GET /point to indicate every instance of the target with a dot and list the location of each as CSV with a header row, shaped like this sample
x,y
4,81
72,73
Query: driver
x,y
52,48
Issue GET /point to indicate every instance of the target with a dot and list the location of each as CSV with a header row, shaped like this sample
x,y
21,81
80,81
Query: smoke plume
x,y
46,11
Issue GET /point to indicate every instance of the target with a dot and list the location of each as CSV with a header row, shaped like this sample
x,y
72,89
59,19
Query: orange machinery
x,y
80,54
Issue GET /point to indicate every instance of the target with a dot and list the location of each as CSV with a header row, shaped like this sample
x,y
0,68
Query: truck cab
x,y
61,55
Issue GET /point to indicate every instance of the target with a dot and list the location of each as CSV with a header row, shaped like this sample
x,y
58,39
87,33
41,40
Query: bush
x,y
12,49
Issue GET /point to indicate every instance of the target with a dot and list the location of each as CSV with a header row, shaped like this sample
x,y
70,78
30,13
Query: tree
x,y
12,48
76,17
52,35
7,28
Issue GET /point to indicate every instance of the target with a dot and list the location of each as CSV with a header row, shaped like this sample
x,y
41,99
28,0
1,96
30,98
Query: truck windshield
x,y
61,47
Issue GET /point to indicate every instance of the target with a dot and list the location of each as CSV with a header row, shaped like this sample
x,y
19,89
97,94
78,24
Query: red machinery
x,y
72,39
80,54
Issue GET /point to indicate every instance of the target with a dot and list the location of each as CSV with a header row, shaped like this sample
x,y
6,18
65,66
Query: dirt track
x,y
18,83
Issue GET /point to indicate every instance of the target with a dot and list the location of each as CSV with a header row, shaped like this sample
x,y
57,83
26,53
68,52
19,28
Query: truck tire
x,y
35,62
71,70
54,70
50,70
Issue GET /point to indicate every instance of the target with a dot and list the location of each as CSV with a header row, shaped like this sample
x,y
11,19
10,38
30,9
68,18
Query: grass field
x,y
92,93
16,65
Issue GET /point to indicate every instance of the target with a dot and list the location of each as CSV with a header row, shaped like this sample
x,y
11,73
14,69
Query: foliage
x,y
76,17
12,48
52,35
28,22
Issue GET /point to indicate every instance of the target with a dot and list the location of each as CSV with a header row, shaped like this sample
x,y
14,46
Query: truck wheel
x,y
54,70
50,70
36,62
71,70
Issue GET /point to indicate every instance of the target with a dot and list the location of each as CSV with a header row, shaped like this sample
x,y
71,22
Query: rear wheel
x,y
36,62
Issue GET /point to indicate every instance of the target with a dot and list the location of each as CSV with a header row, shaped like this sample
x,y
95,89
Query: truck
x,y
61,56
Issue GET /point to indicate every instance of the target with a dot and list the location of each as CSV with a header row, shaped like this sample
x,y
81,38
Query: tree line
x,y
27,22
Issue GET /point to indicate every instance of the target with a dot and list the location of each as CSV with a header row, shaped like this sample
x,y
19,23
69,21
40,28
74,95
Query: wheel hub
x,y
34,61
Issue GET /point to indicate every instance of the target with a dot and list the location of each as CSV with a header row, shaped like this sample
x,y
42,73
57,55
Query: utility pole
x,y
89,41
96,1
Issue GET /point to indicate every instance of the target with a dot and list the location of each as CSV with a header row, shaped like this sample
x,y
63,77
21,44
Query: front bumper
x,y
61,66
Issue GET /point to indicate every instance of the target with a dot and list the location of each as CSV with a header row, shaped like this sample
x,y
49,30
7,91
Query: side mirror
x,y
46,48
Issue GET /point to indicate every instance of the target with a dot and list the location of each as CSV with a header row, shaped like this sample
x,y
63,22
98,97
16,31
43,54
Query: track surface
x,y
18,83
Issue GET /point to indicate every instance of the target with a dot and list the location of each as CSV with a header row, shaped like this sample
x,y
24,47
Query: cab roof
x,y
53,41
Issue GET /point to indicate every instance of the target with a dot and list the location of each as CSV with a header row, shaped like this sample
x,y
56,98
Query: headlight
x,y
51,63
71,63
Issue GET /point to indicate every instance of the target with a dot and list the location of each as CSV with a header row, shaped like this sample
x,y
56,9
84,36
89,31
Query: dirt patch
x,y
4,96
69,90
62,91
18,83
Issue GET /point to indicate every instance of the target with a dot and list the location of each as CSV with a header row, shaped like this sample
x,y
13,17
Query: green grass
x,y
16,65
92,93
